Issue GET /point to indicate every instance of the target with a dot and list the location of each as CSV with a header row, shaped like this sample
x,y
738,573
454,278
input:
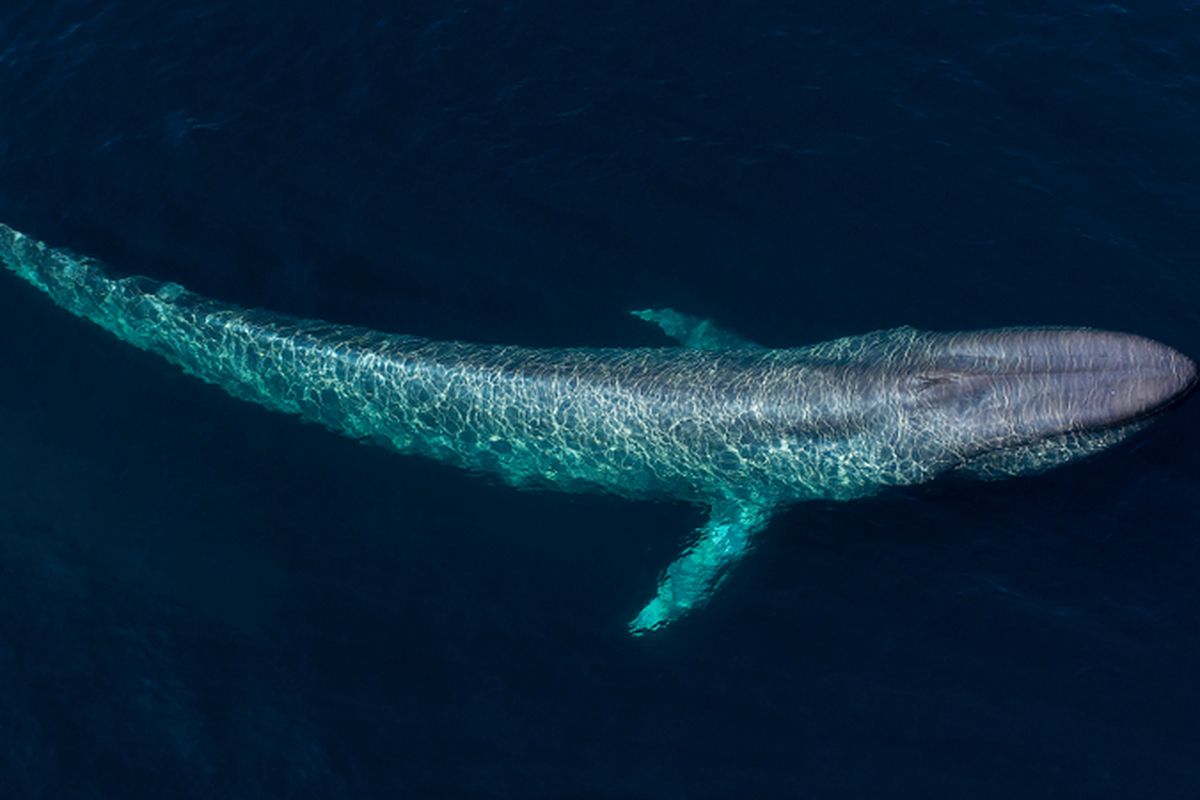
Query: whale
x,y
712,419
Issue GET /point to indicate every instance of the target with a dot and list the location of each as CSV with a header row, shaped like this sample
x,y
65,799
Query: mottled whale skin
x,y
719,421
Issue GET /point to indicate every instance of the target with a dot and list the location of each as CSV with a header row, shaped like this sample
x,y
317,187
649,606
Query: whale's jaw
x,y
1029,384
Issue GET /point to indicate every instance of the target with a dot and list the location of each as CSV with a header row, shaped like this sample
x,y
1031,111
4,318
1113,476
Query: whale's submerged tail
x,y
254,355
134,308
161,317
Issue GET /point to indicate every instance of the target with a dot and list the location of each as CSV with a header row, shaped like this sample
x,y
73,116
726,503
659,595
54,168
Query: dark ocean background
x,y
200,599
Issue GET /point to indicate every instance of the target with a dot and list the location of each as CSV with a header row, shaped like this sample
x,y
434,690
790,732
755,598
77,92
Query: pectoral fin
x,y
693,577
689,331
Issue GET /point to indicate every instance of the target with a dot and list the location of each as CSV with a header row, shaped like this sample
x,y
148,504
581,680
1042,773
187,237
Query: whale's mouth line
x,y
1191,386
1043,453
1128,424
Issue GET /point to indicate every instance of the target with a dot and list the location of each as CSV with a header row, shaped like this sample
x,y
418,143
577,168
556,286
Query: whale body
x,y
718,421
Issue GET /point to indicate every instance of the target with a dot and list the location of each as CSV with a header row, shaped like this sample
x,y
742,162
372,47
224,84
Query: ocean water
x,y
200,599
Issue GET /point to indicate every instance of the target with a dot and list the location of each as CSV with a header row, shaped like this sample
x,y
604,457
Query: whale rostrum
x,y
718,421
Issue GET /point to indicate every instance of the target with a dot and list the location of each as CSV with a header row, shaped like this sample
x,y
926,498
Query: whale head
x,y
1013,401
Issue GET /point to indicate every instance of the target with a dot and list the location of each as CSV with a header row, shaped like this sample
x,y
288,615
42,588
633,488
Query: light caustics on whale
x,y
721,422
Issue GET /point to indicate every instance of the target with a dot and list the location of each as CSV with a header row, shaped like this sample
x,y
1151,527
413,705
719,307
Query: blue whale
x,y
720,422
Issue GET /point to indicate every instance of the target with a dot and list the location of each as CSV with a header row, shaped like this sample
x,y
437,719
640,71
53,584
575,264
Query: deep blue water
x,y
201,599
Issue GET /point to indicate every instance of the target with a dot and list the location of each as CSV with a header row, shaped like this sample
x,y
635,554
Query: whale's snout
x,y
1101,379
1030,383
1165,374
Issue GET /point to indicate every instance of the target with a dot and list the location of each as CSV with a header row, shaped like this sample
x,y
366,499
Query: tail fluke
x,y
263,357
